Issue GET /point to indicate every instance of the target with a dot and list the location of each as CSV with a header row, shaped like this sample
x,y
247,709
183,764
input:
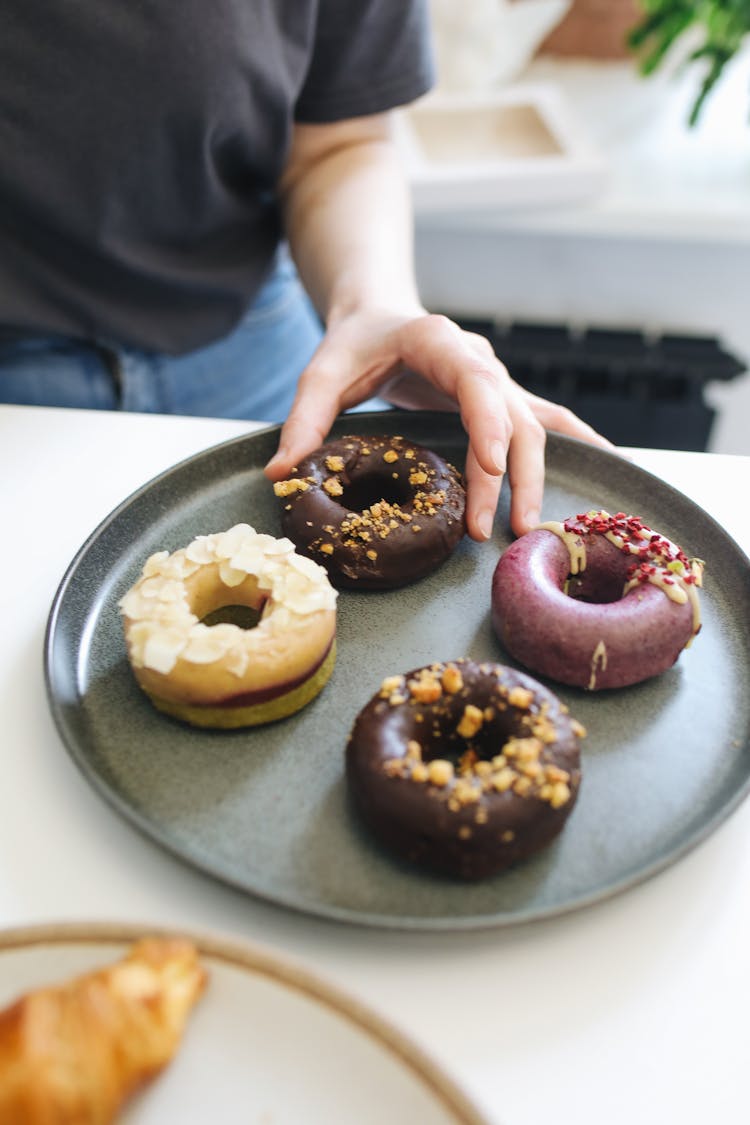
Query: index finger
x,y
315,406
474,378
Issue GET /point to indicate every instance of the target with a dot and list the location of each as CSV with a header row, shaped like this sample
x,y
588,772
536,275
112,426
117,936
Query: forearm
x,y
348,219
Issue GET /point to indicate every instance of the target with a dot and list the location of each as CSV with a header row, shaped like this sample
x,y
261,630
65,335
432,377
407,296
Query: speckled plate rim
x,y
287,973
517,917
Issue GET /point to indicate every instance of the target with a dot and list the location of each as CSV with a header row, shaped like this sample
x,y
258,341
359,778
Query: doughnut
x,y
464,769
597,601
376,512
223,675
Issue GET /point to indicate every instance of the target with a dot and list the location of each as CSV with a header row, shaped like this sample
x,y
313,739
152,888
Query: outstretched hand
x,y
428,362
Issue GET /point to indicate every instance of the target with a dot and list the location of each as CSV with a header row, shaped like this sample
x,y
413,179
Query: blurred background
x,y
581,180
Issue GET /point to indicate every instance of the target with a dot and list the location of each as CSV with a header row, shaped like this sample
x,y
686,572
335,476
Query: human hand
x,y
427,361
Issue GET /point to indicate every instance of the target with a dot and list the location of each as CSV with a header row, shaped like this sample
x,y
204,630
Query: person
x,y
170,173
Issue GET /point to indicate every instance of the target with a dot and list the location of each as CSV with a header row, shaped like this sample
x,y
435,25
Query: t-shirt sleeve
x,y
369,56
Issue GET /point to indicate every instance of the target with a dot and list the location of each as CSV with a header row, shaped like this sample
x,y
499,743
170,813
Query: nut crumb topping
x,y
466,793
521,765
333,486
426,688
452,680
390,684
520,697
440,772
288,487
543,728
503,779
471,722
334,463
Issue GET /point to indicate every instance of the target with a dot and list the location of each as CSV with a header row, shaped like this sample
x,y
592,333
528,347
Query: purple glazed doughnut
x,y
464,769
598,601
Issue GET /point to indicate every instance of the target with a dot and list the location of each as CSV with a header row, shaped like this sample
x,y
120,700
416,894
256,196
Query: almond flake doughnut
x,y
597,601
462,768
222,675
376,512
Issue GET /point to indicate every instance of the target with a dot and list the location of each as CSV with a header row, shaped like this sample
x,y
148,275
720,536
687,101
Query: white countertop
x,y
632,1010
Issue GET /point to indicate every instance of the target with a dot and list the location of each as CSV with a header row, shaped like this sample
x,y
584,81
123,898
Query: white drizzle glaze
x,y
677,590
572,540
598,663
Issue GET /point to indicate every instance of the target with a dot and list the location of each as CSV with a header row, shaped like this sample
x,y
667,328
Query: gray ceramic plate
x,y
266,810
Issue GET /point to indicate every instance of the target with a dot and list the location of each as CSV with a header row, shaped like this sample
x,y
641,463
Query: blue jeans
x,y
251,373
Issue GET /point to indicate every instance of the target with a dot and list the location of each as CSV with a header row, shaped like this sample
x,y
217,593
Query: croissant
x,y
73,1054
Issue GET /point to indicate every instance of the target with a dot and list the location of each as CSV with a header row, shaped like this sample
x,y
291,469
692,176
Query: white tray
x,y
520,146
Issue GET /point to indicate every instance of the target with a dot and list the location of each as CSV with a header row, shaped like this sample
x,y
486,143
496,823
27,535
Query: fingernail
x,y
497,453
484,523
531,518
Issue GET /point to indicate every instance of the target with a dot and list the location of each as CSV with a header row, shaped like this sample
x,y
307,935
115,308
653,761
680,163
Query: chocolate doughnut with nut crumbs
x,y
376,512
462,768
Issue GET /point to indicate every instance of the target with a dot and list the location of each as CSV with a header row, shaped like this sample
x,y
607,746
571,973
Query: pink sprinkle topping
x,y
653,554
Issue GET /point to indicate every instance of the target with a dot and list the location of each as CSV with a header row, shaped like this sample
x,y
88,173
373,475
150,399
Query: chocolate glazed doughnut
x,y
376,512
464,768
597,601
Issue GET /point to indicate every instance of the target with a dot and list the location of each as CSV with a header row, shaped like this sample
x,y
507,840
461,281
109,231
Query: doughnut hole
x,y
462,751
604,577
374,488
213,603
460,731
594,588
243,616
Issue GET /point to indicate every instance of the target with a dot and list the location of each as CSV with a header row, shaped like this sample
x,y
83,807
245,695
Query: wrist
x,y
403,305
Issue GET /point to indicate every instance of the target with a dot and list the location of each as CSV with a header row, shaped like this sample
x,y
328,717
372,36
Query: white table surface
x,y
634,1010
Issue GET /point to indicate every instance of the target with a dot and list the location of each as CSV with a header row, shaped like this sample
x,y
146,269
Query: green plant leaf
x,y
724,23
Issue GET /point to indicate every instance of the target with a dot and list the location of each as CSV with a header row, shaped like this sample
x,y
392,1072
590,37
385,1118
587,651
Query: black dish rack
x,y
636,389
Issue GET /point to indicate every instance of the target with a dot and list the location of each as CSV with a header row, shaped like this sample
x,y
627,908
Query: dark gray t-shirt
x,y
141,140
